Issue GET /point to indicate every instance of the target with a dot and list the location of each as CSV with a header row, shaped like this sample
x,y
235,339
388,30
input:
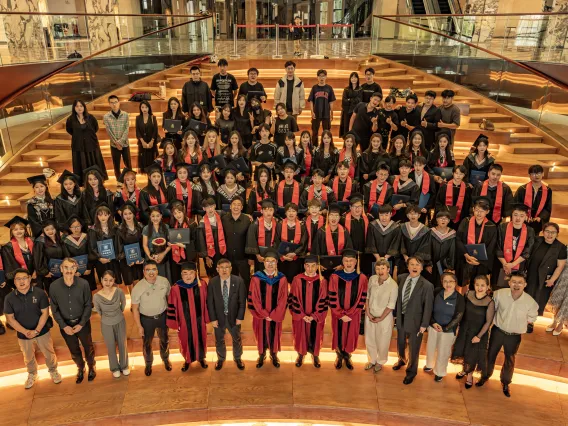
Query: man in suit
x,y
413,312
226,303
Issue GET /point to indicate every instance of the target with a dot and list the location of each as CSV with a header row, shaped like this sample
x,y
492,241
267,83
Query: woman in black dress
x,y
48,246
479,160
174,113
397,152
77,244
69,202
155,238
41,206
129,232
94,194
326,156
244,121
262,189
167,160
352,96
197,113
229,190
470,347
225,123
104,229
18,252
154,193
146,136
416,146
260,116
235,150
184,252
371,158
85,149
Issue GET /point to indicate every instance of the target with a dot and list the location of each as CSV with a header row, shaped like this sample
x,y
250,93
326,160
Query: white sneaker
x,y
116,374
56,377
126,372
378,367
31,380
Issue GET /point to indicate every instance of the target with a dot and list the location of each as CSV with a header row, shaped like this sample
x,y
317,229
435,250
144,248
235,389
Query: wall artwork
x,y
103,30
24,33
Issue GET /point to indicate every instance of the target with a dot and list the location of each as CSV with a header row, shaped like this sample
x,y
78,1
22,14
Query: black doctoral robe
x,y
443,250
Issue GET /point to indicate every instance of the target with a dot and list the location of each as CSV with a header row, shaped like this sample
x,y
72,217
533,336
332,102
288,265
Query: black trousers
x,y
220,346
117,154
316,122
242,269
414,341
151,325
84,336
510,344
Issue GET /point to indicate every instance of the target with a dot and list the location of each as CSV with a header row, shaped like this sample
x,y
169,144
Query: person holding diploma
x,y
212,244
403,186
128,237
102,243
18,252
478,161
77,247
455,195
262,233
48,254
41,206
69,201
155,237
182,251
291,231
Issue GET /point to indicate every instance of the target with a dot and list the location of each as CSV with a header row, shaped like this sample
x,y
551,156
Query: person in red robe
x,y
189,296
347,296
308,306
268,298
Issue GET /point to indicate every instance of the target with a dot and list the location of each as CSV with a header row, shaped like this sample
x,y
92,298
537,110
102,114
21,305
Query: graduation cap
x,y
37,179
289,164
268,203
318,172
482,201
272,253
202,166
174,203
230,169
334,208
192,169
162,208
15,220
95,168
152,168
74,217
311,258
189,266
520,207
355,198
240,164
481,137
197,126
68,175
166,141
129,204
350,253
122,176
208,202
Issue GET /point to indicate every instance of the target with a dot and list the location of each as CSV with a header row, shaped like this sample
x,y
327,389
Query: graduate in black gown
x,y
455,195
403,185
477,229
291,230
104,229
497,192
128,191
77,244
343,185
313,221
69,202
40,207
183,190
262,233
415,239
317,190
206,183
442,249
479,160
326,156
290,152
371,158
155,241
211,237
129,232
356,222
230,189
154,193
261,190
383,239
234,151
18,252
426,188
48,246
537,197
95,194
377,192
182,252
289,189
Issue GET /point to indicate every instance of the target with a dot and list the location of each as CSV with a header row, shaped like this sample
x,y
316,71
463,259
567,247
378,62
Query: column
x,y
250,18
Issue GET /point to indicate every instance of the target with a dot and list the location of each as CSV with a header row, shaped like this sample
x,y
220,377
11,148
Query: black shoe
x,y
481,382
317,363
184,367
240,364
148,370
260,361
203,363
219,365
2,329
460,375
80,375
398,365
530,329
468,385
275,360
168,365
408,380
338,363
348,363
92,373
299,360
506,391
438,378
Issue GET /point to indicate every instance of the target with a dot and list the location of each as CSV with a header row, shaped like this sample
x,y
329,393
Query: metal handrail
x,y
109,15
488,15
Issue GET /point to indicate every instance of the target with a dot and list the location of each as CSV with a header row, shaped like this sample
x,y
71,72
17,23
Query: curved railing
x,y
531,94
37,106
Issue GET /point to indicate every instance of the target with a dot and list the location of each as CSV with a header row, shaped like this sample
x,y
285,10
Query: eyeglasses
x,y
551,232
151,269
536,174
269,260
21,279
75,227
69,268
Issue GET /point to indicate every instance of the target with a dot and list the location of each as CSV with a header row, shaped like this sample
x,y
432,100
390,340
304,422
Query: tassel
x,y
358,264
319,270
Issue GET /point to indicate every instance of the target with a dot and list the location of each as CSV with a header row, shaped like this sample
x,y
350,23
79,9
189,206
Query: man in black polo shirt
x,y
27,311
235,226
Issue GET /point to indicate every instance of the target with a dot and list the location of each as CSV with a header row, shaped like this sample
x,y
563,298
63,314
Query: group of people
x,y
390,230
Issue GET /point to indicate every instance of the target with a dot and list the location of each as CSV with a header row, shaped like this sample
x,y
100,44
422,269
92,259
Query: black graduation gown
x,y
44,251
190,251
38,213
319,246
91,204
119,203
229,157
394,160
367,196
252,246
145,201
292,268
202,247
443,250
317,195
195,202
253,204
351,98
506,202
325,162
65,208
471,164
94,238
417,246
496,282
75,249
434,159
341,186
546,211
425,217
384,241
441,202
125,237
10,264
283,155
312,229
226,198
287,194
358,236
243,126
369,163
410,189
466,271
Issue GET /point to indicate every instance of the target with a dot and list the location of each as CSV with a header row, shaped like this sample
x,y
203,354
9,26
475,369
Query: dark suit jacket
x,y
237,300
419,308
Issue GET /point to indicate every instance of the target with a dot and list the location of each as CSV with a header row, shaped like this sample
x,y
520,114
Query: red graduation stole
x,y
508,244
262,235
295,193
177,252
297,231
425,183
323,193
187,158
18,251
529,198
209,236
307,162
395,184
154,200
125,196
259,199
348,187
309,229
209,153
450,197
340,240
471,230
348,222
496,216
179,195
351,163
373,195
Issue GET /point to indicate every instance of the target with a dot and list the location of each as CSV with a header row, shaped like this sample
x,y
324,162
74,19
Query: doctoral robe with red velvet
x,y
187,313
347,296
268,297
308,297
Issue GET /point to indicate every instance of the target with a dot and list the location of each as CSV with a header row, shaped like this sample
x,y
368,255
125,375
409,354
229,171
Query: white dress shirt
x,y
381,296
512,316
413,282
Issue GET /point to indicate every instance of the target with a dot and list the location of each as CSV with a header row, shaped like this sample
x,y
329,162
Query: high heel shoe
x,y
468,385
557,333
551,327
460,375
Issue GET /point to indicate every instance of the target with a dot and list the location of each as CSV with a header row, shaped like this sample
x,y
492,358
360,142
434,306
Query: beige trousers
x,y
438,351
45,345
377,339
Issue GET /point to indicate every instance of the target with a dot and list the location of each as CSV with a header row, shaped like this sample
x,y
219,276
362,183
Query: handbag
x,y
487,125
140,96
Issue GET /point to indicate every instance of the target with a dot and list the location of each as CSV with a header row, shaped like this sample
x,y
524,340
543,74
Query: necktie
x,y
225,297
406,295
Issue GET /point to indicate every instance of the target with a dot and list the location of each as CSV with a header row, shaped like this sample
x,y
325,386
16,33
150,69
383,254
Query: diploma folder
x,y
477,177
106,249
218,162
180,236
398,198
132,254
240,164
330,262
197,126
477,250
444,172
54,267
423,201
286,248
172,126
82,262
254,94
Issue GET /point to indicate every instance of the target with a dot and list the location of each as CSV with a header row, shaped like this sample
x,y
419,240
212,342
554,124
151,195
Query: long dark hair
x,y
47,194
212,180
369,150
449,153
392,149
311,144
48,241
74,114
123,228
421,148
150,187
350,86
228,151
169,113
321,147
180,207
202,116
148,105
164,156
161,227
76,189
97,226
89,189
